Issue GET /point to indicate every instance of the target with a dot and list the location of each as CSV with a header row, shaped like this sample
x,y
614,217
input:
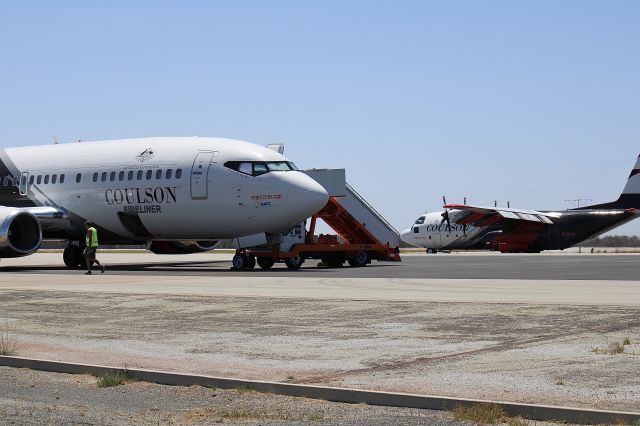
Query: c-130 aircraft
x,y
176,195
517,230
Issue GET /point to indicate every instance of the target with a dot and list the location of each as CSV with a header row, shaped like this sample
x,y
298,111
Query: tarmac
x,y
519,328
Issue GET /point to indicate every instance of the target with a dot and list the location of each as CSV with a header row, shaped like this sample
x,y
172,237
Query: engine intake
x,y
20,233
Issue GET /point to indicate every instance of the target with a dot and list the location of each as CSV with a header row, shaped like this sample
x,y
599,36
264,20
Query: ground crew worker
x,y
92,247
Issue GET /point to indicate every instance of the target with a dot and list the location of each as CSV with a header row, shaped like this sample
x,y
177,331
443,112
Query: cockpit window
x,y
279,167
257,168
260,169
420,220
246,168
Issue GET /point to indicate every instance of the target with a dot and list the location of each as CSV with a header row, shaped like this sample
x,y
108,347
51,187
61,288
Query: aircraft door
x,y
437,239
23,188
200,175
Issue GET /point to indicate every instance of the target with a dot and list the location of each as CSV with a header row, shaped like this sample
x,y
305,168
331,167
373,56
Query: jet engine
x,y
20,233
181,247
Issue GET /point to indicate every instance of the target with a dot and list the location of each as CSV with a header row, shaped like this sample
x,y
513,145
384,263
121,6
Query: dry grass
x,y
8,341
479,413
486,414
115,378
614,348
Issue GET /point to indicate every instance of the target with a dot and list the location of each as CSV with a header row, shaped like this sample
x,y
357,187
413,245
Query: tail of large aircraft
x,y
630,197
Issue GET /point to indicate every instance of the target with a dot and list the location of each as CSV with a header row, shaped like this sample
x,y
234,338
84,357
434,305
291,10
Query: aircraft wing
x,y
485,216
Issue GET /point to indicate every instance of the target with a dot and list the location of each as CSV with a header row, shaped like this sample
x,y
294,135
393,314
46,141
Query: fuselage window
x,y
416,230
32,178
420,220
159,174
168,174
121,176
178,173
130,175
149,174
39,179
46,179
139,175
79,177
95,177
54,178
112,176
103,177
62,178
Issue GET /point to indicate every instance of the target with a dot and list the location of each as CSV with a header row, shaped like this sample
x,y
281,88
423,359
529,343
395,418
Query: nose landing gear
x,y
244,262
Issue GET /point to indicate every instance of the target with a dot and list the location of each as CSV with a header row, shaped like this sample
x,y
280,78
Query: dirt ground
x,y
548,354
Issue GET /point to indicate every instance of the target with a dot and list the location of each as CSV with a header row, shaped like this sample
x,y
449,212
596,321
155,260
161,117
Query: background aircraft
x,y
518,230
176,195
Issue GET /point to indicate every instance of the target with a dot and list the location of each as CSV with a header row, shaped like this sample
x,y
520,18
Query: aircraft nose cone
x,y
313,196
404,234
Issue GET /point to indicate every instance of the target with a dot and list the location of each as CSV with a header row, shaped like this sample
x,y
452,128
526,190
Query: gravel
x,y
35,398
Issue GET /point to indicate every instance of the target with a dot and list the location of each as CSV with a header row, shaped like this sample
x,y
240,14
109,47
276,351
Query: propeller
x,y
445,215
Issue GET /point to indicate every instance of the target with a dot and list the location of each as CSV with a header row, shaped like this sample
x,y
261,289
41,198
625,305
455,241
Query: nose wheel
x,y
243,262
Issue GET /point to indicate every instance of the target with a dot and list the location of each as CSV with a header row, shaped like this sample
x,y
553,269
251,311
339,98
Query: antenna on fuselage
x,y
508,205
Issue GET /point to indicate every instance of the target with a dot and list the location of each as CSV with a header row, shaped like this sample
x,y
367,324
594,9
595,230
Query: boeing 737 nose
x,y
313,197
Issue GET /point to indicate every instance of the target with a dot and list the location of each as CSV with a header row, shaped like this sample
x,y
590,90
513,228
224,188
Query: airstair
x,y
357,221
365,233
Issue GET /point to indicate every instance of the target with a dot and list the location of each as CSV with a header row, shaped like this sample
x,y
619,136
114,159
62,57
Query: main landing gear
x,y
73,257
243,262
247,262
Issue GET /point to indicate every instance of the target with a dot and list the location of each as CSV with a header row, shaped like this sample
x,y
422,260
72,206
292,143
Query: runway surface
x,y
446,266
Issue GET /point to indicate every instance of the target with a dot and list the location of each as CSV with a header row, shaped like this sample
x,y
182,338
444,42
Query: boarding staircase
x,y
350,215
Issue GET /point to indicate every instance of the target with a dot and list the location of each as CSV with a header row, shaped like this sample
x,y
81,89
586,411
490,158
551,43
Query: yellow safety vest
x,y
94,237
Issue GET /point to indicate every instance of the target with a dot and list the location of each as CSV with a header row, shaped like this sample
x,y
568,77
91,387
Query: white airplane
x,y
176,195
433,232
523,231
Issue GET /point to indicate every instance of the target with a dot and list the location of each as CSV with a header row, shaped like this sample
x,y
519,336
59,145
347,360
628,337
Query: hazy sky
x,y
532,102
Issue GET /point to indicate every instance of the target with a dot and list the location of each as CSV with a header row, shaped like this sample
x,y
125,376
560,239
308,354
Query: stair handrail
x,y
372,209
